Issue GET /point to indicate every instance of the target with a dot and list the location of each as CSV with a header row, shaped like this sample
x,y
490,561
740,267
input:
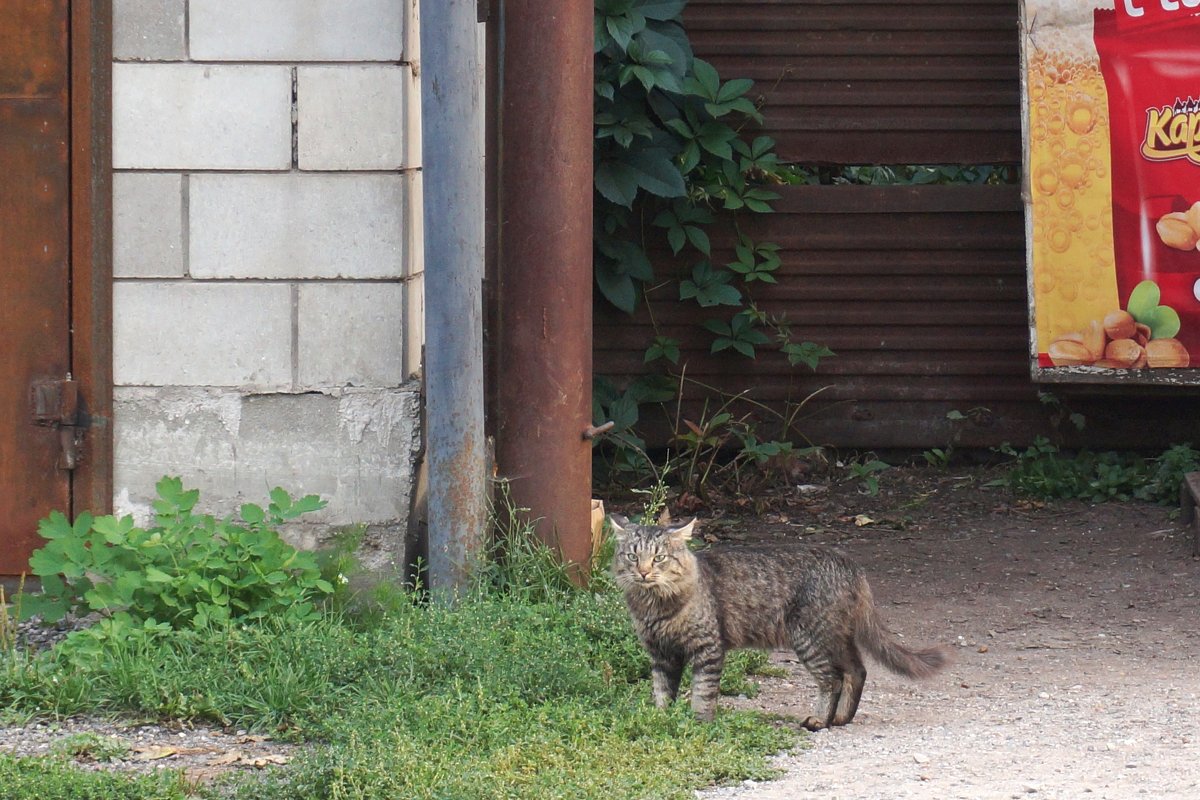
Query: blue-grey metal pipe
x,y
453,182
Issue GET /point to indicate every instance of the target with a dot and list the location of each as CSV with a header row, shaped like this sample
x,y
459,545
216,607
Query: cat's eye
x,y
658,559
631,556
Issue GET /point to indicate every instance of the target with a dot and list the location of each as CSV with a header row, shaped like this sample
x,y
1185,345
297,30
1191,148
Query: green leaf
x,y
50,609
1143,300
715,137
655,172
805,353
1164,322
281,499
676,238
55,526
689,158
705,81
308,503
676,56
681,127
252,513
617,181
698,238
83,524
652,389
710,287
44,563
663,347
156,575
623,28
618,288
734,89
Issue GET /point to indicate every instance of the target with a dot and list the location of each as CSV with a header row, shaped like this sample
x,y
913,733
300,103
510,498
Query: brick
x,y
192,334
351,335
193,116
352,117
287,30
148,225
297,226
148,30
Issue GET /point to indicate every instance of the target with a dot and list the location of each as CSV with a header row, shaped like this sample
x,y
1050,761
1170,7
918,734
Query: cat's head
x,y
652,557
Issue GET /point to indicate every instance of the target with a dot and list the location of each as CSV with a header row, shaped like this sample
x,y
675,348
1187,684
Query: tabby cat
x,y
695,607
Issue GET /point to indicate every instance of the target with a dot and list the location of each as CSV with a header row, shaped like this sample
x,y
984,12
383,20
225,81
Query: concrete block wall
x,y
267,259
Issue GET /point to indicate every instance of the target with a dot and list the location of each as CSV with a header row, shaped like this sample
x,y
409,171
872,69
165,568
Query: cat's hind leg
x,y
829,684
818,657
854,677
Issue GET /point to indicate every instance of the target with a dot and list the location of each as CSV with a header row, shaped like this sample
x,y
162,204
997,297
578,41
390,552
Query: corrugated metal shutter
x,y
905,82
920,292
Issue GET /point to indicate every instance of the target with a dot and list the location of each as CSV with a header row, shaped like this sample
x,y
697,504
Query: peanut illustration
x,y
1117,342
1180,229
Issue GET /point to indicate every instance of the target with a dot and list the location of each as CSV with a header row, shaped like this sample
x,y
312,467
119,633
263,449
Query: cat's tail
x,y
883,645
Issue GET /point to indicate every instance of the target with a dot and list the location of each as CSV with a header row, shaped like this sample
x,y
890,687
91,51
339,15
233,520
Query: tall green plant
x,y
184,571
671,161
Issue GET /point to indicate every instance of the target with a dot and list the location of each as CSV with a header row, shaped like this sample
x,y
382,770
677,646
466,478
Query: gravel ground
x,y
201,752
1077,642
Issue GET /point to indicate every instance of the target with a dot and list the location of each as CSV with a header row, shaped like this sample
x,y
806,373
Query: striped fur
x,y
694,607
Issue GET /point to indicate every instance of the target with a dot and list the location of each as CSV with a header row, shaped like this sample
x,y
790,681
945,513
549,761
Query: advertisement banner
x,y
1112,169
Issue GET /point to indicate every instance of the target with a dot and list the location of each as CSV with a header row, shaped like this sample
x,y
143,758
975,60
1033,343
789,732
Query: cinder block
x,y
351,334
193,334
356,449
180,116
148,30
352,117
287,30
148,225
296,226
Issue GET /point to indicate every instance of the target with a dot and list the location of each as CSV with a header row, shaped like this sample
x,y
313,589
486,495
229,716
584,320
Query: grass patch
x,y
525,689
54,779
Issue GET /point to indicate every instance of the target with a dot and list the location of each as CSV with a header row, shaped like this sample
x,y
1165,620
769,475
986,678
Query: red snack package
x,y
1150,59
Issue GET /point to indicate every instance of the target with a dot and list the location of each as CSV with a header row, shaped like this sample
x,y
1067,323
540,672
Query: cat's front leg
x,y
665,673
706,682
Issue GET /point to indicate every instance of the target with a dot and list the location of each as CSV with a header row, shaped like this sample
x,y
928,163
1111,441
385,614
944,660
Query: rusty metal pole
x,y
543,344
453,178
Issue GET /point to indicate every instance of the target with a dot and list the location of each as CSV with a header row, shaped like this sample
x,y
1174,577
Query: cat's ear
x,y
619,525
682,531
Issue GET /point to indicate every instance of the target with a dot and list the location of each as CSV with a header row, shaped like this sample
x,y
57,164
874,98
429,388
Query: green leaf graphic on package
x,y
1141,336
1143,306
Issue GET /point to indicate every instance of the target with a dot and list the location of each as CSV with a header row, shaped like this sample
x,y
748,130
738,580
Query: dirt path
x,y
1077,642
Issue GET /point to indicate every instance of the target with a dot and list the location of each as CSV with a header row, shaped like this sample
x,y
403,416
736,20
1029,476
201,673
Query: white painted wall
x,y
267,297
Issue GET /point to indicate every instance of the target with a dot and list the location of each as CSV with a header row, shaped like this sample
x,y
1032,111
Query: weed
x,y
8,624
90,747
937,457
867,470
1043,470
187,571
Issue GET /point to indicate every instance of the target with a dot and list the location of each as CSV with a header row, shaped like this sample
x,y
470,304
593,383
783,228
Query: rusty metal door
x,y
35,289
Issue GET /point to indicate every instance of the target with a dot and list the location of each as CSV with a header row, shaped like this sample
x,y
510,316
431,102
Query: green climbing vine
x,y
672,160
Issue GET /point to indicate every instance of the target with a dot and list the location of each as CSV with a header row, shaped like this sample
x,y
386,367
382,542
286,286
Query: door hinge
x,y
56,404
